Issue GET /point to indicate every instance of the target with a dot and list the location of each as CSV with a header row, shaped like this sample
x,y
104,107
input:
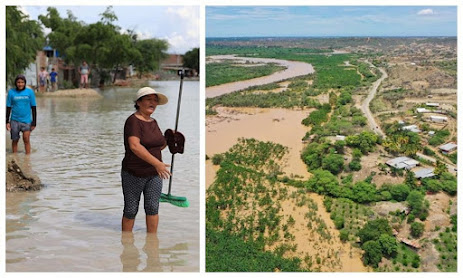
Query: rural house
x,y
402,162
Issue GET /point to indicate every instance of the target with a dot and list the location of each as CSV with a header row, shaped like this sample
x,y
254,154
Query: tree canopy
x,y
23,38
102,44
191,59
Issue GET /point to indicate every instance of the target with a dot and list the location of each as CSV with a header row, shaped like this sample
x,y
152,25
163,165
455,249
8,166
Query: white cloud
x,y
426,12
185,35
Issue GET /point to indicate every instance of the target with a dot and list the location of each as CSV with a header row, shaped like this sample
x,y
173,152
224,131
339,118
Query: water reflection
x,y
150,260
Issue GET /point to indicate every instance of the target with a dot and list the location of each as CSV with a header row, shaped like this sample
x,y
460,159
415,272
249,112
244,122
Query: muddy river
x,y
73,223
293,69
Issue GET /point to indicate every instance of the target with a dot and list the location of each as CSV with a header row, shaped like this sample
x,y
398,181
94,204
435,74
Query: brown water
x,y
277,125
73,223
293,69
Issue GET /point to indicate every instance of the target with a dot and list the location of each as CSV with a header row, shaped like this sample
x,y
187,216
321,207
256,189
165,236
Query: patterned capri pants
x,y
133,186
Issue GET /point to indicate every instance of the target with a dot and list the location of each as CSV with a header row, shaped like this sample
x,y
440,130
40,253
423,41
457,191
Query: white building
x,y
422,110
432,104
412,128
402,162
438,119
424,173
448,148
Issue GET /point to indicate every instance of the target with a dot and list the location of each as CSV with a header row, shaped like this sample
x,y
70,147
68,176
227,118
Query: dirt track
x,y
366,104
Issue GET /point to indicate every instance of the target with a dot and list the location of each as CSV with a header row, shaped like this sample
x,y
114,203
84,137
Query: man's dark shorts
x,y
17,127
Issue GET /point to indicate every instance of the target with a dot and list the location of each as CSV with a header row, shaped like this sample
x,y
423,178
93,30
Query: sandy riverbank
x,y
293,69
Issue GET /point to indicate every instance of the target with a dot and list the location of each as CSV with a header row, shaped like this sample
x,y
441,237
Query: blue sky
x,y
256,21
179,25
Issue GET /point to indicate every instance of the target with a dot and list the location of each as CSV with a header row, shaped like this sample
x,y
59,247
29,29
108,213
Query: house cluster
x,y
435,119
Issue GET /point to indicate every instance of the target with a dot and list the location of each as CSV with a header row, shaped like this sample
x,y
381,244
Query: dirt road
x,y
366,104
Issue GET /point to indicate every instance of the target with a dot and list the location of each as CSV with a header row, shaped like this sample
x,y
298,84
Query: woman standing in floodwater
x,y
20,103
142,166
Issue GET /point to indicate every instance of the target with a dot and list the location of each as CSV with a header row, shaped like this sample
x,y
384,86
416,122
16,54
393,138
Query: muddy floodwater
x,y
293,69
281,126
73,223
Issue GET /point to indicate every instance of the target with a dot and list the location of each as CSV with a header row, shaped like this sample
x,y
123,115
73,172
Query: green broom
x,y
168,198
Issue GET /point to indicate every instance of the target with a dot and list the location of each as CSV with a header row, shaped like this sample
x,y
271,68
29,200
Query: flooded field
x,y
73,223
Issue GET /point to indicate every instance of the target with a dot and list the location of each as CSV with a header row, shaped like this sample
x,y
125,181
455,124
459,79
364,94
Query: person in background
x,y
43,80
142,166
53,79
84,71
20,103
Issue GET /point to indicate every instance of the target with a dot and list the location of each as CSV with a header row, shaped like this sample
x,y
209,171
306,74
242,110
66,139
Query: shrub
x,y
416,229
217,159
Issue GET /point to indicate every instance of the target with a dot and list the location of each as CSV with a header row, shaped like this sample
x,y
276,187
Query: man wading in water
x,y
20,103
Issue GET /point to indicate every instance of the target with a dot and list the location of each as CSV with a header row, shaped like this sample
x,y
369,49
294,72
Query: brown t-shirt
x,y
150,137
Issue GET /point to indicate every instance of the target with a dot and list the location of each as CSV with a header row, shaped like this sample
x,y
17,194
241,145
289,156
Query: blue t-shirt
x,y
53,75
21,103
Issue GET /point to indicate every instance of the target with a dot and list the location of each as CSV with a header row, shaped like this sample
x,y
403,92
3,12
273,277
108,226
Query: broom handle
x,y
176,125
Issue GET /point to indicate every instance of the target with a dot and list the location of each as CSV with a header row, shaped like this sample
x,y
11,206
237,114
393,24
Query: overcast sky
x,y
179,25
249,21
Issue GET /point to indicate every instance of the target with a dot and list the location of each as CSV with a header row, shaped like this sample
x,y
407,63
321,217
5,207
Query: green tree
x,y
23,38
388,245
410,180
416,229
432,185
415,201
191,59
373,253
152,51
374,229
339,222
333,163
364,192
355,165
365,141
440,168
399,192
323,182
63,32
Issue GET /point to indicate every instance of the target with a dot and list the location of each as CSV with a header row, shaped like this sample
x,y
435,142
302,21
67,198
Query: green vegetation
x,y
226,252
446,244
95,42
23,37
191,59
416,229
246,180
248,98
225,72
449,66
400,141
318,116
439,138
331,71
418,206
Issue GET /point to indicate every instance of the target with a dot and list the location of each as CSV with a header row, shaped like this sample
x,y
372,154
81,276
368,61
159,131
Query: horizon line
x,y
337,36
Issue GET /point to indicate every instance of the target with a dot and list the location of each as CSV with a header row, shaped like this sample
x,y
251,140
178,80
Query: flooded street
x,y
73,223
